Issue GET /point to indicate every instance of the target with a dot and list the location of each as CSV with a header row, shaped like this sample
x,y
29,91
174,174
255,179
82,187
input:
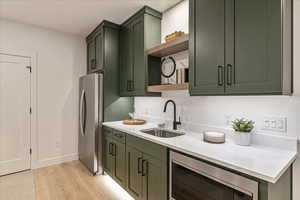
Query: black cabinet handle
x,y
132,85
229,74
110,148
114,152
139,165
144,167
93,63
220,75
128,85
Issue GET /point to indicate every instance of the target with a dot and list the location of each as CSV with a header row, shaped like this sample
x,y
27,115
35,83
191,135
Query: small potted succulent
x,y
243,131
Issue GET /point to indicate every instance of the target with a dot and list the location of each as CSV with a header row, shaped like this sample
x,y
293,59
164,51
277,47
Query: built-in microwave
x,y
192,179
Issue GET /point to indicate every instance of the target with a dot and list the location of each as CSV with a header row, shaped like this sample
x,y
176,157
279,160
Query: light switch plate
x,y
278,124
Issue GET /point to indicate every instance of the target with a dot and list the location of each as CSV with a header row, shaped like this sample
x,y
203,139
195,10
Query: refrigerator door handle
x,y
82,122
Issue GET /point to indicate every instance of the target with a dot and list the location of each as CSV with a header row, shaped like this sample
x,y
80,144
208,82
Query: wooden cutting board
x,y
134,122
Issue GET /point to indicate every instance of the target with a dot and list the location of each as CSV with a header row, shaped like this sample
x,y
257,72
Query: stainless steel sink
x,y
162,132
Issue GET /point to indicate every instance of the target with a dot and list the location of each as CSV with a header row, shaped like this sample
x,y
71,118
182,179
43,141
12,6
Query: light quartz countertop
x,y
261,161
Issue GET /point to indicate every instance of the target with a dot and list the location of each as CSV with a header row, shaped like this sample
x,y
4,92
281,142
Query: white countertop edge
x,y
209,159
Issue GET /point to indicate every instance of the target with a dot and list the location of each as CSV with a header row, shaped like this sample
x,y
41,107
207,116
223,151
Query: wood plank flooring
x,y
18,186
72,181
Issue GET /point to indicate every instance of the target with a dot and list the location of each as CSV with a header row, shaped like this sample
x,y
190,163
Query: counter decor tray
x,y
134,122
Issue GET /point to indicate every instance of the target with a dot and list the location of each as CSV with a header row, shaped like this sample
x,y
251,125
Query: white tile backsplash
x,y
214,111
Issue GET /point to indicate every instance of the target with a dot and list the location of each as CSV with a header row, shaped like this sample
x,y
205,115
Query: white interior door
x,y
14,114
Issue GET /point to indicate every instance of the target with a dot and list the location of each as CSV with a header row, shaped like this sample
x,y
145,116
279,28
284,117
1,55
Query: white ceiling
x,y
75,16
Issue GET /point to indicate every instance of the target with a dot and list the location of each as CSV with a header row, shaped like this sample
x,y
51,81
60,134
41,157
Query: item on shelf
x,y
134,122
174,35
214,137
168,68
182,75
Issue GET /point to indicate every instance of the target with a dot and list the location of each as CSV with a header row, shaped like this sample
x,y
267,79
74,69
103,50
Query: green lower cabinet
x,y
154,178
147,176
107,156
120,163
114,155
134,170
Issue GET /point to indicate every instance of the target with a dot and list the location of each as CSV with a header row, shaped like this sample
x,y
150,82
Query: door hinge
x,y
30,69
30,151
30,110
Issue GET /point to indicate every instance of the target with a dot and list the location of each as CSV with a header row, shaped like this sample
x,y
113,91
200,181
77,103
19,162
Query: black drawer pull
x,y
139,165
229,74
220,75
144,167
114,153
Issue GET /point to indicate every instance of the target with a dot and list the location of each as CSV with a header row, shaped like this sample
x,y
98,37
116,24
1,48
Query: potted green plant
x,y
243,131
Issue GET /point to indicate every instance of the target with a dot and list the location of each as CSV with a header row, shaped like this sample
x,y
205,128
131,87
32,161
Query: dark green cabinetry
x,y
91,55
114,162
147,175
134,170
139,166
146,169
108,158
95,47
240,47
102,57
138,33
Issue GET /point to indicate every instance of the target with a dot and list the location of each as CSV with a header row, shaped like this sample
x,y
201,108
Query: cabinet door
x,y
91,53
120,163
126,67
253,47
154,173
138,49
134,176
107,156
99,50
206,46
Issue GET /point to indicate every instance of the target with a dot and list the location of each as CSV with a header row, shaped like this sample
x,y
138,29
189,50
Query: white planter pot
x,y
243,138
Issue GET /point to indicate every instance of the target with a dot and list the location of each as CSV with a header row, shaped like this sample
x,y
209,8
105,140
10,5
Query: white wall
x,y
60,62
212,111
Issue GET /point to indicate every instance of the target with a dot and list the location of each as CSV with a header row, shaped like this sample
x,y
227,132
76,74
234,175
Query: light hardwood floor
x,y
71,181
19,186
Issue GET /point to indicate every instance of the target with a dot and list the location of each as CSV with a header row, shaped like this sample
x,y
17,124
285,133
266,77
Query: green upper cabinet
x,y
240,47
91,55
103,57
137,34
99,50
96,42
207,47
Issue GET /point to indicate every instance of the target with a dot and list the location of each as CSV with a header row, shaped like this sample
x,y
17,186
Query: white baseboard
x,y
54,161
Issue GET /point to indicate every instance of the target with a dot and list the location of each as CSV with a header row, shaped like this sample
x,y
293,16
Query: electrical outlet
x,y
278,124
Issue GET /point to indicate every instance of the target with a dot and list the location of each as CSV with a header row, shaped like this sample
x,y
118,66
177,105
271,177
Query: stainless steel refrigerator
x,y
90,121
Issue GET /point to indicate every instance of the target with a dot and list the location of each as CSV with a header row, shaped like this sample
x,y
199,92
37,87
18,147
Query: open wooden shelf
x,y
160,88
169,48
